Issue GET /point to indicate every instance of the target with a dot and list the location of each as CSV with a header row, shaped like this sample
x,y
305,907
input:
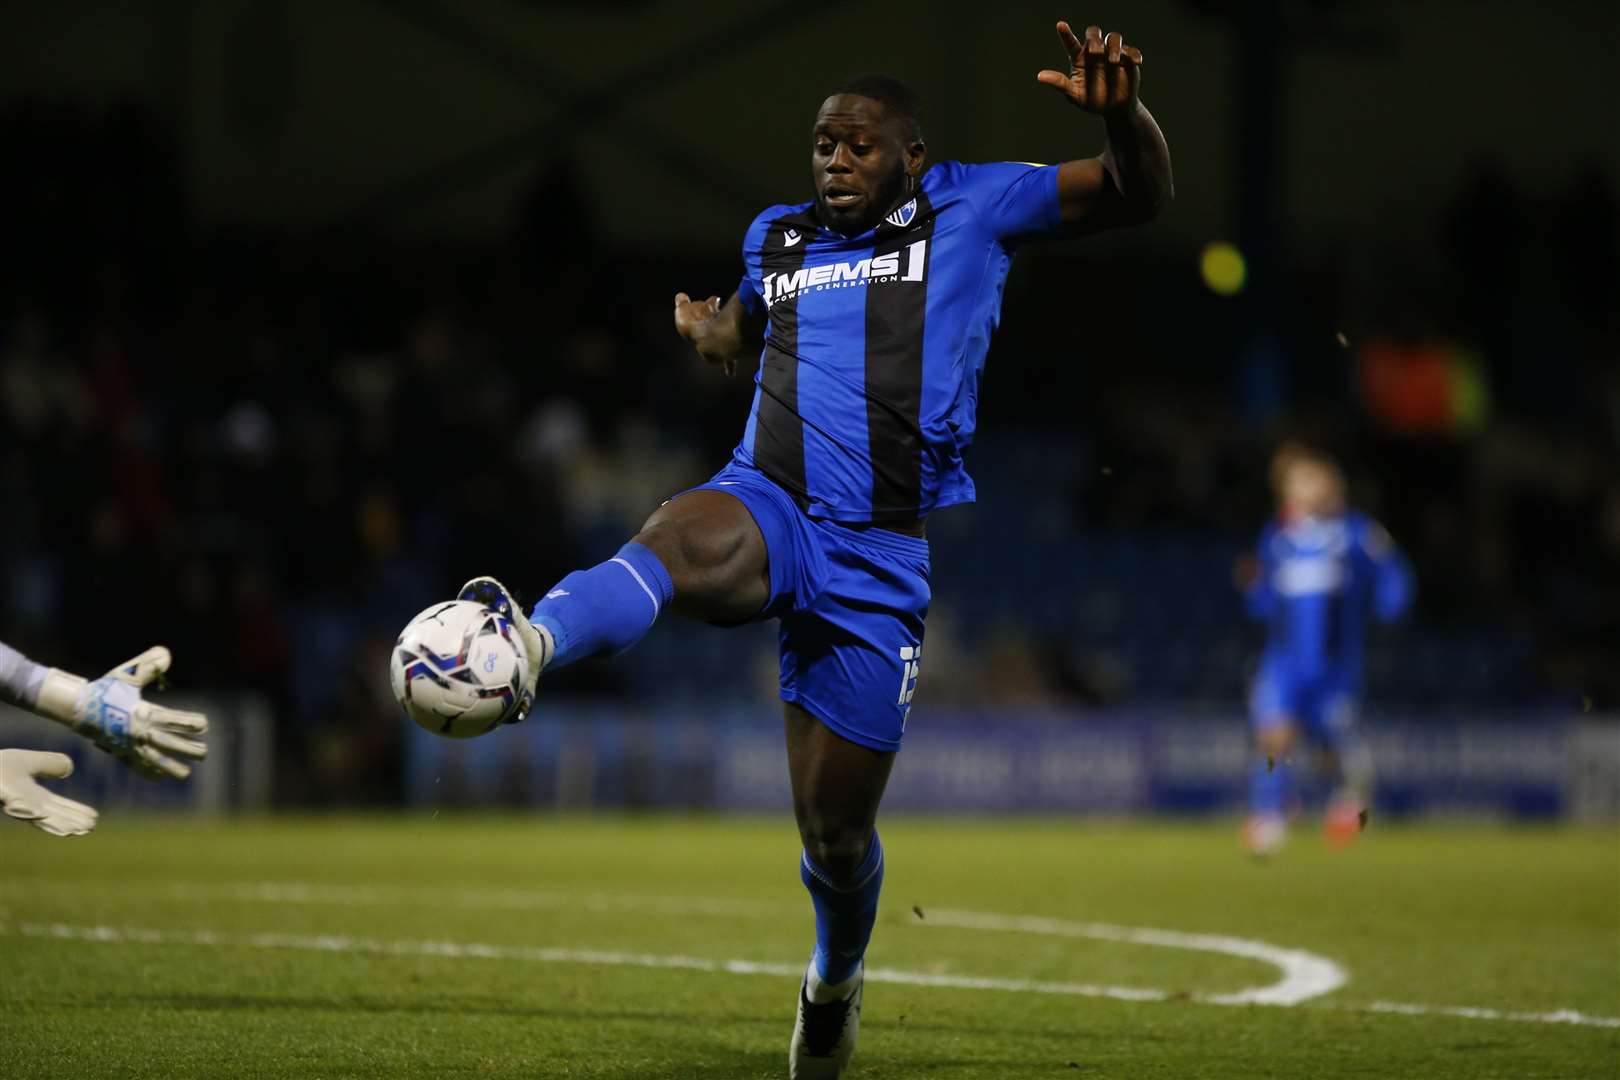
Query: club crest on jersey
x,y
908,264
902,217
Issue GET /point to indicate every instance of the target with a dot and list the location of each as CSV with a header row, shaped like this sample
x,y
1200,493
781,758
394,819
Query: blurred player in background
x,y
866,312
156,742
1321,570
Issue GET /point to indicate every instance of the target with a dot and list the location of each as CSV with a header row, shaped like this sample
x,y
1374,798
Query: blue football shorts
x,y
1322,705
851,600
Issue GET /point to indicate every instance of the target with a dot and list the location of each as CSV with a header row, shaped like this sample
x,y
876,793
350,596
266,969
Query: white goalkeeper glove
x,y
110,712
23,798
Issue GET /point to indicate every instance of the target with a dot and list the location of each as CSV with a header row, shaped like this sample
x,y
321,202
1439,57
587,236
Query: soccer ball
x,y
458,668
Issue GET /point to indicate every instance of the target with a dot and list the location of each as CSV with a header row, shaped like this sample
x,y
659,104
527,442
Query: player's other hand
x,y
1104,73
1245,571
24,798
690,314
156,742
693,320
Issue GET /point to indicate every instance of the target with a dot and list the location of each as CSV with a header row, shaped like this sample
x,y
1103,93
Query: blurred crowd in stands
x,y
268,448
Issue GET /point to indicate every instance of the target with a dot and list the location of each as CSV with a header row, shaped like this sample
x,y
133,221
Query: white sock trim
x,y
657,607
822,992
548,644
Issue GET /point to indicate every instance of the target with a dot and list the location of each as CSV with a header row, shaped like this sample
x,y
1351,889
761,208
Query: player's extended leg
x,y
837,786
700,555
1270,786
1271,775
1347,760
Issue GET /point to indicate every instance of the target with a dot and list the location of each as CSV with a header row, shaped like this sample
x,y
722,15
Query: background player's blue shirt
x,y
868,383
1320,579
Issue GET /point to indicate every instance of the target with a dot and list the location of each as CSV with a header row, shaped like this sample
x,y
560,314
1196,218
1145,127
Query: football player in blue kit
x,y
868,310
1321,571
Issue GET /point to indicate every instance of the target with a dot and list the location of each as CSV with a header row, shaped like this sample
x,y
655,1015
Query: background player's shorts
x,y
1323,705
851,600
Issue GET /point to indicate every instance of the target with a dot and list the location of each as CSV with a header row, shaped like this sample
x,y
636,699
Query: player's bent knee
x,y
714,555
837,850
1277,740
694,536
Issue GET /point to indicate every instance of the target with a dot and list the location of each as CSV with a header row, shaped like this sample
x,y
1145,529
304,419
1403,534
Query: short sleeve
x,y
748,296
749,289
1014,199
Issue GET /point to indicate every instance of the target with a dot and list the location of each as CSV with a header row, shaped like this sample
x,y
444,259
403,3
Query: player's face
x,y
861,163
1312,489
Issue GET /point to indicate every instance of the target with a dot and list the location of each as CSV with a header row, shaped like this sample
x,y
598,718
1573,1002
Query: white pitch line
x,y
1473,1012
600,957
606,957
292,892
1305,975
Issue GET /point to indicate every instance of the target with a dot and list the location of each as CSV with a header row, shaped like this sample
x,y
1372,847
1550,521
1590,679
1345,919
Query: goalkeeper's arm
x,y
110,712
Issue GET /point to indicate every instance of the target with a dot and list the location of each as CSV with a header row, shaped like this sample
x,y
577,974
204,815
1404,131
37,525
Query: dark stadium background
x,y
309,312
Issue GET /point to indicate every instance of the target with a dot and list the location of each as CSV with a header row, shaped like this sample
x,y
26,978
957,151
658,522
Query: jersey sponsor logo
x,y
880,269
791,237
1310,576
902,217
1313,536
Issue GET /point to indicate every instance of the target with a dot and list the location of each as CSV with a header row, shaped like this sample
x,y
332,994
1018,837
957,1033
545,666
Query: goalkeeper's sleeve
x,y
20,678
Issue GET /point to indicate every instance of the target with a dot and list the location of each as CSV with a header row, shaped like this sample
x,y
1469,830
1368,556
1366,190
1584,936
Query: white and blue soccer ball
x,y
458,669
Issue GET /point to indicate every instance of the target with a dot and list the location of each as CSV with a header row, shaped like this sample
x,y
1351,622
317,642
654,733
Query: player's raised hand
x,y
1104,73
24,798
690,314
694,321
154,741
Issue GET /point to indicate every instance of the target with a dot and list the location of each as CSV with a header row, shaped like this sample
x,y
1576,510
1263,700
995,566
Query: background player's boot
x,y
536,640
1343,821
1263,835
824,1035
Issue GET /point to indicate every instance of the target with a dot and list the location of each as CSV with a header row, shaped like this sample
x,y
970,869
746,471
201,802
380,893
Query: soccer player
x,y
869,309
154,741
1321,570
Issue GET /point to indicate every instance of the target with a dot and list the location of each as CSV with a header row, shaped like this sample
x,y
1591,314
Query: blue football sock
x,y
1268,787
845,912
607,608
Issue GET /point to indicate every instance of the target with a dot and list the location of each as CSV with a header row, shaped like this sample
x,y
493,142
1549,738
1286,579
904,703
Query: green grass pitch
x,y
538,946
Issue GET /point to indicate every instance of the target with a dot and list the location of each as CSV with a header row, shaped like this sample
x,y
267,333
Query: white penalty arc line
x,y
332,943
1304,975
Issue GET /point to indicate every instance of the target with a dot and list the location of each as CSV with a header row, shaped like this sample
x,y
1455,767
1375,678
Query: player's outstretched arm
x,y
1394,584
24,798
1130,181
1253,575
723,333
154,741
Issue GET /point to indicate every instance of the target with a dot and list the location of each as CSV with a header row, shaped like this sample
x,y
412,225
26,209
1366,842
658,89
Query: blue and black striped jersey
x,y
869,379
1320,579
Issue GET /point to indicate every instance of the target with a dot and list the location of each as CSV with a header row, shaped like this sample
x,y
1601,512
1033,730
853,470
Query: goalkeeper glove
x,y
111,713
26,800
